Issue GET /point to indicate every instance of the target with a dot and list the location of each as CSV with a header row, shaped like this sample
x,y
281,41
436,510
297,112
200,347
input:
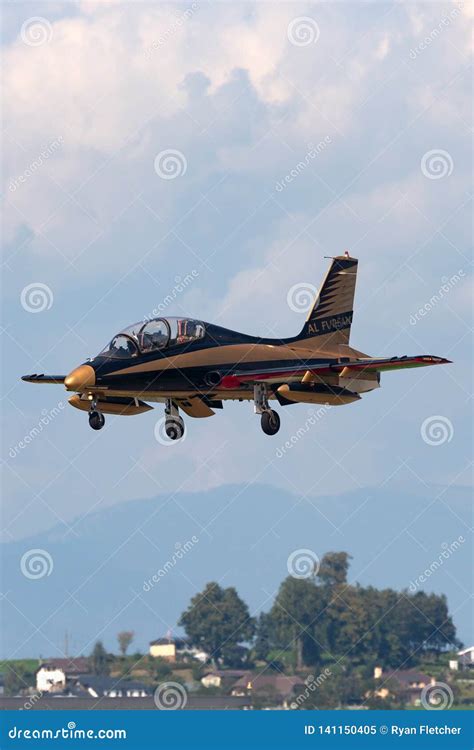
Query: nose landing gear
x,y
96,418
174,424
270,421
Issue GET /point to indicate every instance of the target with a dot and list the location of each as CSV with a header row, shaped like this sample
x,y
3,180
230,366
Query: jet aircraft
x,y
194,367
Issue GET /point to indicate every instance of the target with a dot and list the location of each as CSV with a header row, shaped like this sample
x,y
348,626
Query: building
x,y
218,677
466,657
166,648
99,686
52,675
277,689
175,649
406,683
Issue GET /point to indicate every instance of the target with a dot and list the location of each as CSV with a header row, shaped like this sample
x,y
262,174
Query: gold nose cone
x,y
80,379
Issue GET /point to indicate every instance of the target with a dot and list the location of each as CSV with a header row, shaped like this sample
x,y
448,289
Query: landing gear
x,y
96,419
174,424
270,420
174,428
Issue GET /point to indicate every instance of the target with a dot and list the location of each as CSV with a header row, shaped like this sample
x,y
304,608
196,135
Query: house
x,y
52,675
279,687
99,686
217,677
173,649
466,657
405,682
166,648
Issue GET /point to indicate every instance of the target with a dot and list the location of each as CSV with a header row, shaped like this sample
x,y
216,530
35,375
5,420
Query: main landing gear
x,y
174,424
270,420
96,418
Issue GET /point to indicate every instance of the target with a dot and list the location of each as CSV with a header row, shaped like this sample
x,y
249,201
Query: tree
x,y
99,659
333,568
265,636
217,620
17,678
294,616
125,637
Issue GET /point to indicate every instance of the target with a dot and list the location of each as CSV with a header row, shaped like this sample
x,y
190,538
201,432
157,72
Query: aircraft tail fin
x,y
330,319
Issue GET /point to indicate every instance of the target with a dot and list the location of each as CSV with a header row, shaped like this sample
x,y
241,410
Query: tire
x,y
270,422
96,420
174,429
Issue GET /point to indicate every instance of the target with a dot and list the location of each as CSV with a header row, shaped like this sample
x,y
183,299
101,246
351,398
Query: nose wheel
x,y
270,420
96,419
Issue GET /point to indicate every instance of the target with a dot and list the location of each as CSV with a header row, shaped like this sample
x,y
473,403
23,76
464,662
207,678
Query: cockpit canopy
x,y
152,335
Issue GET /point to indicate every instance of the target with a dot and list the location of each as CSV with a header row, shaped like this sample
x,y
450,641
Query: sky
x,y
204,159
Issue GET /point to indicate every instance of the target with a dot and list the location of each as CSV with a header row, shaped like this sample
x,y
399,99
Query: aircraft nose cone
x,y
81,378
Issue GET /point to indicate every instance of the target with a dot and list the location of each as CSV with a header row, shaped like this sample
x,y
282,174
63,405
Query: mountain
x,y
96,578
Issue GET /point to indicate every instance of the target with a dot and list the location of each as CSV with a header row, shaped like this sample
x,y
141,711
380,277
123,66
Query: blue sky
x,y
94,93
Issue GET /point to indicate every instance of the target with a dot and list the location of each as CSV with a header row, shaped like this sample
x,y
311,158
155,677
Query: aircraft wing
x,y
347,368
43,378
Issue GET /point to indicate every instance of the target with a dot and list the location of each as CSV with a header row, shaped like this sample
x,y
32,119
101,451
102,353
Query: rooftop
x,y
280,683
77,665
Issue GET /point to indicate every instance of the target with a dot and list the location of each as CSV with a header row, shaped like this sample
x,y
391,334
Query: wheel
x,y
174,428
96,420
270,422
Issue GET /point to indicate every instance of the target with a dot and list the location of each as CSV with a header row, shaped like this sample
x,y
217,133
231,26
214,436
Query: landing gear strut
x,y
96,418
174,424
270,420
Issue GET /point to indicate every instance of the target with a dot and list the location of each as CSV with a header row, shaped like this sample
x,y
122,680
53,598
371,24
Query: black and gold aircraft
x,y
194,366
